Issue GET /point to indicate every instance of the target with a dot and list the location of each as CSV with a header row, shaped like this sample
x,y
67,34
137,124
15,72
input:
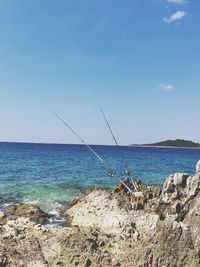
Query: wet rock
x,y
31,211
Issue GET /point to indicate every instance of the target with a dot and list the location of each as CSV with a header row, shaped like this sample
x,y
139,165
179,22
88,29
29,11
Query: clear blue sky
x,y
138,59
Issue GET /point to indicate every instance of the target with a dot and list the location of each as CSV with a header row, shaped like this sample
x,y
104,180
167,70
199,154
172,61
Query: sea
x,y
51,175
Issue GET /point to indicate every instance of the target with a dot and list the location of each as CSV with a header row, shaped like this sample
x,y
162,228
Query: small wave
x,y
56,219
35,202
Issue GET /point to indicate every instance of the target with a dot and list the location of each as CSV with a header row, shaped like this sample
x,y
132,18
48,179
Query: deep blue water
x,y
51,175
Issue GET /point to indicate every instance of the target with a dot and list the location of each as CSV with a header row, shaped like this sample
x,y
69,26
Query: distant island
x,y
173,143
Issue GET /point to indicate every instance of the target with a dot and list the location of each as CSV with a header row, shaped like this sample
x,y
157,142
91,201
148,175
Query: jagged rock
x,y
31,211
174,187
193,186
180,187
177,192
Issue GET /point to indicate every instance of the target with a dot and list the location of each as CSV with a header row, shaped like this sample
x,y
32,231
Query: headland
x,y
177,143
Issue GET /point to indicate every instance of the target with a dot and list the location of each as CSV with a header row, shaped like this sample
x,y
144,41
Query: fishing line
x,y
83,142
115,140
110,172
127,170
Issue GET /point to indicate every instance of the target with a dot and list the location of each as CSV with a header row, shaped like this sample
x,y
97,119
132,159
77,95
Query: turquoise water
x,y
51,175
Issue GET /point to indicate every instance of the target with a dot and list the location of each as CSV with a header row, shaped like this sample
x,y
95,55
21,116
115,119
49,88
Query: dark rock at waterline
x,y
31,211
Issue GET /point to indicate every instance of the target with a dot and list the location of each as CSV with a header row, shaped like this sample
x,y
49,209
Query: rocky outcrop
x,y
178,191
152,228
111,211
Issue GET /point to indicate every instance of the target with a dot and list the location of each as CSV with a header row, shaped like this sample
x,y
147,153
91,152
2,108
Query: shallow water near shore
x,y
51,175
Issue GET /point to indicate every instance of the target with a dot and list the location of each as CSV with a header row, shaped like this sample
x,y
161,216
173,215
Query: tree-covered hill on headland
x,y
175,143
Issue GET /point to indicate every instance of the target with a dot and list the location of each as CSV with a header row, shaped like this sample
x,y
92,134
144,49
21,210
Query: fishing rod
x,y
115,140
127,171
81,140
110,172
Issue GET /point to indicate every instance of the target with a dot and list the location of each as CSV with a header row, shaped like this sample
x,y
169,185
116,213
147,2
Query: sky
x,y
139,60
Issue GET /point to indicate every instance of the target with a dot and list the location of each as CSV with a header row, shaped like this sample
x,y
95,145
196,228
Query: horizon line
x,y
49,143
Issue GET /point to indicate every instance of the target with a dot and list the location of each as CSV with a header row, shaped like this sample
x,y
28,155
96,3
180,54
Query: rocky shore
x,y
153,228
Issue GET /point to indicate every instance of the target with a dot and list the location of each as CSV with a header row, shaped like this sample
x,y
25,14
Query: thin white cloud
x,y
166,87
176,16
178,1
